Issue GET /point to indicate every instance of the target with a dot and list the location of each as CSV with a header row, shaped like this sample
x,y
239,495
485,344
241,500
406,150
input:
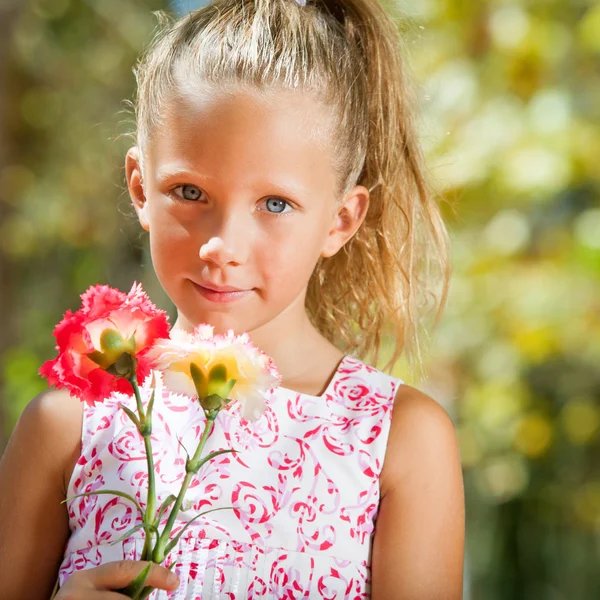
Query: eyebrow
x,y
165,173
288,189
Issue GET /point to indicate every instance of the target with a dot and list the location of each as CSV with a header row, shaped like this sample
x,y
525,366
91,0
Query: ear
x,y
135,184
349,215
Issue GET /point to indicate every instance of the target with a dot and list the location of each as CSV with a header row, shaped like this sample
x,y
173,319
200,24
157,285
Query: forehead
x,y
240,133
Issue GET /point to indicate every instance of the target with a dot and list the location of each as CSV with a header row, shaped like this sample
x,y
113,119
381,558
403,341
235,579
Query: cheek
x,y
289,258
170,243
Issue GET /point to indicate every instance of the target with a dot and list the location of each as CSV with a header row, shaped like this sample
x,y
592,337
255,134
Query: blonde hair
x,y
348,53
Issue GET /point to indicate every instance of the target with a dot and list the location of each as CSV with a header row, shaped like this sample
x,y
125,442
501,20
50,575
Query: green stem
x,y
146,432
159,551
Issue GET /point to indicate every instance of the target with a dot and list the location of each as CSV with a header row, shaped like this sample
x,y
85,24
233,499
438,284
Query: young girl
x,y
278,175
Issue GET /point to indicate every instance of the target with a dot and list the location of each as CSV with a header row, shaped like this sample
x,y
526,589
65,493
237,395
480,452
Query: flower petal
x,y
78,334
253,370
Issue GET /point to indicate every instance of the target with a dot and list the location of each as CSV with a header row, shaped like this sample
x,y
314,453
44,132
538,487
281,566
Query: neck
x,y
289,339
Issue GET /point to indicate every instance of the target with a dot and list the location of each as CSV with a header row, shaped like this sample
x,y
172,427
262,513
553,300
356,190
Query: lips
x,y
221,289
222,295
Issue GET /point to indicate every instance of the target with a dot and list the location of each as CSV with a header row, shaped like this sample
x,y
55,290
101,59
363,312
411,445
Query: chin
x,y
222,322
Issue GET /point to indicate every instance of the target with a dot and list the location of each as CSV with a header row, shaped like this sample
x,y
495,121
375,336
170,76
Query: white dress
x,y
304,484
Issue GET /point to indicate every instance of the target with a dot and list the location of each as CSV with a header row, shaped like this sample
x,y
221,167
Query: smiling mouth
x,y
221,296
216,288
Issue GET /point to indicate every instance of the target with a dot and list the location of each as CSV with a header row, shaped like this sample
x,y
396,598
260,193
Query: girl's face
x,y
239,191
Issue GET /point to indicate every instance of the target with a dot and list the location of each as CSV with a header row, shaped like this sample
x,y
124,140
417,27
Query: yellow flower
x,y
201,364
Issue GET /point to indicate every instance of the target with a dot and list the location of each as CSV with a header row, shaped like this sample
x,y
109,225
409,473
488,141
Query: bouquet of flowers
x,y
116,340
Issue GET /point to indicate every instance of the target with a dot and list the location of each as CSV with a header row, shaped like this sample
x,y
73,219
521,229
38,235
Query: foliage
x,y
512,132
66,221
511,104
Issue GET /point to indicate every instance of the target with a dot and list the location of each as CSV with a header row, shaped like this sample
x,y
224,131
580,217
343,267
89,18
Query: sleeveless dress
x,y
303,484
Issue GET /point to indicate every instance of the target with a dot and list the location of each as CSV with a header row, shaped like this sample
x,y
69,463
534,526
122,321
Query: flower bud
x,y
213,391
240,371
116,353
212,403
199,379
218,383
124,366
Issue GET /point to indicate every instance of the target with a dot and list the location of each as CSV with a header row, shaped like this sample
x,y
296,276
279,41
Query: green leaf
x,y
218,383
114,492
174,541
132,416
128,533
137,585
217,375
150,406
225,390
100,359
199,379
208,457
169,500
184,448
216,453
145,526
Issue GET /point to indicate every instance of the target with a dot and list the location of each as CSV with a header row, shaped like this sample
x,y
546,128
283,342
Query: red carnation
x,y
92,342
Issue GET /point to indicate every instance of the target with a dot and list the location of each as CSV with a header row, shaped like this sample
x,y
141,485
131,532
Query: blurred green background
x,y
511,100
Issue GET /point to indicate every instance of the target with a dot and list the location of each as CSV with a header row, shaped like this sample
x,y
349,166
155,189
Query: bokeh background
x,y
511,99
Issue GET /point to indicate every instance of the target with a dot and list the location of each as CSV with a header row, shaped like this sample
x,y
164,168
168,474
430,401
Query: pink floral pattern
x,y
304,487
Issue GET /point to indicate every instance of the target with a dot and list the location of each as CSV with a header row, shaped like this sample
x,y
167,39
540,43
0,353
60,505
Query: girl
x,y
277,172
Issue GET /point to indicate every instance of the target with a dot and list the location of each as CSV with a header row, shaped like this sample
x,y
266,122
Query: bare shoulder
x,y
418,546
34,472
420,429
52,422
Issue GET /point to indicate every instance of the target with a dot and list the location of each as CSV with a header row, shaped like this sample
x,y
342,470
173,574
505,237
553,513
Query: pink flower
x,y
108,325
216,359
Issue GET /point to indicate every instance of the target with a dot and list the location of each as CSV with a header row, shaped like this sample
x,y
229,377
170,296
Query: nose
x,y
228,231
219,253
214,250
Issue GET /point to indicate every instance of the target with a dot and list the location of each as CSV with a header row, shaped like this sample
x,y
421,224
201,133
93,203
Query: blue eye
x,y
277,205
193,193
188,192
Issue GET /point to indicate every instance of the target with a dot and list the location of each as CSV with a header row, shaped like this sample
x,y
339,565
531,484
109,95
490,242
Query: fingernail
x,y
172,579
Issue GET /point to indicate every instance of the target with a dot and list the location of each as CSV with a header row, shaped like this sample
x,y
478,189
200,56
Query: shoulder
x,y
418,548
422,435
50,427
32,483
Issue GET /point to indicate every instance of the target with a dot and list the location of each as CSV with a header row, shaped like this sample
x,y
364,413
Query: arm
x,y
418,546
34,471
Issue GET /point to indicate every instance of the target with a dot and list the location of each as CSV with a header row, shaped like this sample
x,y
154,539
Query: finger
x,y
90,595
120,573
104,596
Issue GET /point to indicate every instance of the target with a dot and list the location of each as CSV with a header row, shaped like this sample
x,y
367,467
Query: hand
x,y
97,583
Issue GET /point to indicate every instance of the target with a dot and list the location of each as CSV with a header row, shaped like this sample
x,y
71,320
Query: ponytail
x,y
394,270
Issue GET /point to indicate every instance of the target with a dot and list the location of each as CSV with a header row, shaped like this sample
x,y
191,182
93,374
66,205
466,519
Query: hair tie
x,y
333,7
